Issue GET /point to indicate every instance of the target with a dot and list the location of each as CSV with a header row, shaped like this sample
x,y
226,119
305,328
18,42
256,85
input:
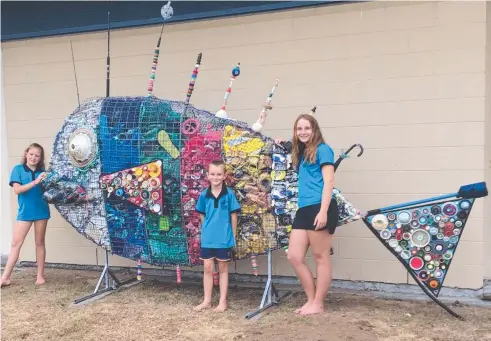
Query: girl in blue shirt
x,y
317,215
25,179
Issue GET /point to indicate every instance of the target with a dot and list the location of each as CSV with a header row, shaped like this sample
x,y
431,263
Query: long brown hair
x,y
41,159
310,148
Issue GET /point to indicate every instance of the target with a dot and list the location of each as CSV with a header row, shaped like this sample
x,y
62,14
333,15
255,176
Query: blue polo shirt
x,y
31,203
216,231
310,180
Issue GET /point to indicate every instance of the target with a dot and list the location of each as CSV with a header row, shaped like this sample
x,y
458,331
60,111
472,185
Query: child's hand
x,y
320,221
279,140
40,178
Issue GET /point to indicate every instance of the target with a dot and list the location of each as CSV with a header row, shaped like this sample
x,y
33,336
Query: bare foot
x,y
299,310
312,309
221,307
5,282
40,281
202,306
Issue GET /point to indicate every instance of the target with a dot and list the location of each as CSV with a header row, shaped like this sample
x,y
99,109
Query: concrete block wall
x,y
405,79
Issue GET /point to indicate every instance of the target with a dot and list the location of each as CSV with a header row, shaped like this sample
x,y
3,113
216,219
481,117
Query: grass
x,y
163,311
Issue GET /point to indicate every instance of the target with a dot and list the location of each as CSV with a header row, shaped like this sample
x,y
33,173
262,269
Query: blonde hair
x,y
218,163
41,159
310,151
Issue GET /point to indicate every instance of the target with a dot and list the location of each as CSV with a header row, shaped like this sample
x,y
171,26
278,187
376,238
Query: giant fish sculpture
x,y
126,173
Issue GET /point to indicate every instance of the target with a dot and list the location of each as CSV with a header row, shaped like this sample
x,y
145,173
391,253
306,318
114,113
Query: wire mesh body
x,y
87,217
248,158
201,135
284,192
126,172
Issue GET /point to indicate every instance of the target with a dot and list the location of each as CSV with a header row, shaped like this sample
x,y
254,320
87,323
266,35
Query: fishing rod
x,y
108,58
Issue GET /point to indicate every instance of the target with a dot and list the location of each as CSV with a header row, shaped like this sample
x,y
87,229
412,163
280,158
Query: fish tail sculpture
x,y
424,234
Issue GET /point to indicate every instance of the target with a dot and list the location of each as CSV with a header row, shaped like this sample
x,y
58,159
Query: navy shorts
x,y
305,216
223,255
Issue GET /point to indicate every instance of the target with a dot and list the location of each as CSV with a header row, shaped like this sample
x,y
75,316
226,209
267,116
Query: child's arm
x,y
18,189
234,207
15,182
201,208
233,218
326,160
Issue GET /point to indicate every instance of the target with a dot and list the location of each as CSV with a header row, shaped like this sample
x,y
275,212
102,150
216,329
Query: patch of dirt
x,y
163,311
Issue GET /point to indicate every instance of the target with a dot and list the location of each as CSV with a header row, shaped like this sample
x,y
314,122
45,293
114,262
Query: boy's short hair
x,y
217,163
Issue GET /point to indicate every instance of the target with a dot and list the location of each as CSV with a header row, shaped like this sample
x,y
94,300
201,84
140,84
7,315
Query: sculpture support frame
x,y
107,275
271,297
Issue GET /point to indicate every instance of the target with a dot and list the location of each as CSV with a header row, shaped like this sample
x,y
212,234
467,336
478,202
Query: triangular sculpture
x,y
424,238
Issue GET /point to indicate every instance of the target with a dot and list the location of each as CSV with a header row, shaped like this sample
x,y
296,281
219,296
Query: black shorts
x,y
304,219
224,254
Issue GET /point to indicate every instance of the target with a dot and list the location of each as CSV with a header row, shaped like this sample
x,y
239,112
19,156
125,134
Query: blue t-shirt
x,y
216,231
31,203
310,180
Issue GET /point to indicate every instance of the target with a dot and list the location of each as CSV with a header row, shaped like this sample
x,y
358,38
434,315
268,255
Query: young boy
x,y
218,208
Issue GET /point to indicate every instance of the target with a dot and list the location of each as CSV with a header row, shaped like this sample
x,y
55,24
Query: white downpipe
x,y
5,204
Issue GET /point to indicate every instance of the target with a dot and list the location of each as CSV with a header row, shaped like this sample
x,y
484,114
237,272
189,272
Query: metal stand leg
x,y
435,299
107,275
270,295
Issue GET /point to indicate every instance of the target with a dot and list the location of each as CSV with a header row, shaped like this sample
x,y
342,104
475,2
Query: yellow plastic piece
x,y
278,175
166,143
249,146
164,224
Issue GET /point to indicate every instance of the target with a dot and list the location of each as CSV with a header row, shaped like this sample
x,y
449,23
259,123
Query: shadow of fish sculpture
x,y
126,173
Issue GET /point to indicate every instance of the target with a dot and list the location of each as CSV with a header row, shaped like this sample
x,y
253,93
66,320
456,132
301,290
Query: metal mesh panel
x,y
135,132
284,192
201,145
248,161
85,213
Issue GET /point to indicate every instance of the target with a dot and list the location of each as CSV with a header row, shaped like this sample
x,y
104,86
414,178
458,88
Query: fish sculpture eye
x,y
82,147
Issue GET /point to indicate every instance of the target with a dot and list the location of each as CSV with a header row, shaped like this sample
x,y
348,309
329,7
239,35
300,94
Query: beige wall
x,y
407,80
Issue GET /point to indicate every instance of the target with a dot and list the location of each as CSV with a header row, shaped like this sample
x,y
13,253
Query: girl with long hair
x,y
317,215
25,179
